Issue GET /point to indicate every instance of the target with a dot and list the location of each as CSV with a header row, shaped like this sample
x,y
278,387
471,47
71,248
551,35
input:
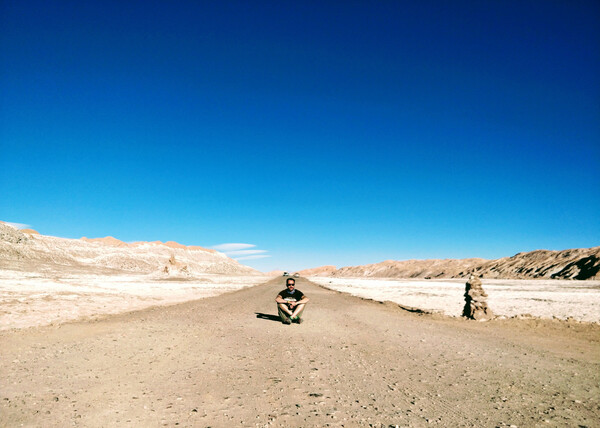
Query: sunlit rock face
x,y
32,252
476,307
577,263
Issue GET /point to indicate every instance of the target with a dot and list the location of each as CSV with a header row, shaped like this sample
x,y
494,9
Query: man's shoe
x,y
287,321
299,320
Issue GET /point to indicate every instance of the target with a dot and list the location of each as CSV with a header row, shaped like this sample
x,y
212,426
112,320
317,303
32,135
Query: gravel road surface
x,y
227,361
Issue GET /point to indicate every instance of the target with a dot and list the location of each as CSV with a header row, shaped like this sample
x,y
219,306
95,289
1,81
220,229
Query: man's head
x,y
290,283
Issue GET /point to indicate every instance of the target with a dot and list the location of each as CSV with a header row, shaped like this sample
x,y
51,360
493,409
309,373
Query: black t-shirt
x,y
294,296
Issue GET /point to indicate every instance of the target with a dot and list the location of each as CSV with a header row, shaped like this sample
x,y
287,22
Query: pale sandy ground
x,y
226,361
28,299
539,298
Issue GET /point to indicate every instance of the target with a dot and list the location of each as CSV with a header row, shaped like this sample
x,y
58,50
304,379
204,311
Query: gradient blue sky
x,y
317,132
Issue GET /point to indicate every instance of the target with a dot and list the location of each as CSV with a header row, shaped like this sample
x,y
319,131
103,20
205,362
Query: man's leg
x,y
298,311
284,312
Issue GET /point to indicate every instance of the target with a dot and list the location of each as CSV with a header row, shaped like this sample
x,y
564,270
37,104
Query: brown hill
x,y
173,244
108,240
318,271
446,268
39,253
582,263
578,263
30,231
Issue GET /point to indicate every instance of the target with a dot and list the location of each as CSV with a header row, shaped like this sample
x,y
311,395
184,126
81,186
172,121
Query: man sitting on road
x,y
290,303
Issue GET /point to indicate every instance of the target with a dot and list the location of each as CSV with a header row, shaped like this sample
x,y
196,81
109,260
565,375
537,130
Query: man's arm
x,y
303,301
279,299
300,302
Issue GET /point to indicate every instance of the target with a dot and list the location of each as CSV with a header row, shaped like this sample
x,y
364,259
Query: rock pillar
x,y
476,307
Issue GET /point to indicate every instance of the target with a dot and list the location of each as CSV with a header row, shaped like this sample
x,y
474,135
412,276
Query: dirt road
x,y
227,361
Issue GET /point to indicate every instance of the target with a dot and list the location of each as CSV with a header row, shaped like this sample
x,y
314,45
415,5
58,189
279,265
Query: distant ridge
x,y
30,231
318,271
28,251
109,240
274,273
579,263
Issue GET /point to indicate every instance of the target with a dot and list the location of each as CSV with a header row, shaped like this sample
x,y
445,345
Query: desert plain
x,y
226,360
98,333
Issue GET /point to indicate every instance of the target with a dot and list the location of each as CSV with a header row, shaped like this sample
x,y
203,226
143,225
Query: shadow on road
x,y
267,316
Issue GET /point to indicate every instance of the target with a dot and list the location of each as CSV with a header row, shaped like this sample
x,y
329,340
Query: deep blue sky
x,y
338,132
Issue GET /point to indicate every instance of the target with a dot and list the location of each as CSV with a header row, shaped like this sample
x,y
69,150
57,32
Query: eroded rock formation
x,y
476,307
58,256
577,263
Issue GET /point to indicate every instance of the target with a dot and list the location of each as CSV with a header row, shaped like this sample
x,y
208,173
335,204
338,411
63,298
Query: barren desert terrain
x,y
575,263
204,347
227,361
552,298
33,299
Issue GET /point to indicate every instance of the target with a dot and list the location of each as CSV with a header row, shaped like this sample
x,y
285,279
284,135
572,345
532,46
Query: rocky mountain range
x,y
581,264
28,251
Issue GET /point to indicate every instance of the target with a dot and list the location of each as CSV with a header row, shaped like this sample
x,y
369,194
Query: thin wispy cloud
x,y
240,251
244,252
261,256
232,247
